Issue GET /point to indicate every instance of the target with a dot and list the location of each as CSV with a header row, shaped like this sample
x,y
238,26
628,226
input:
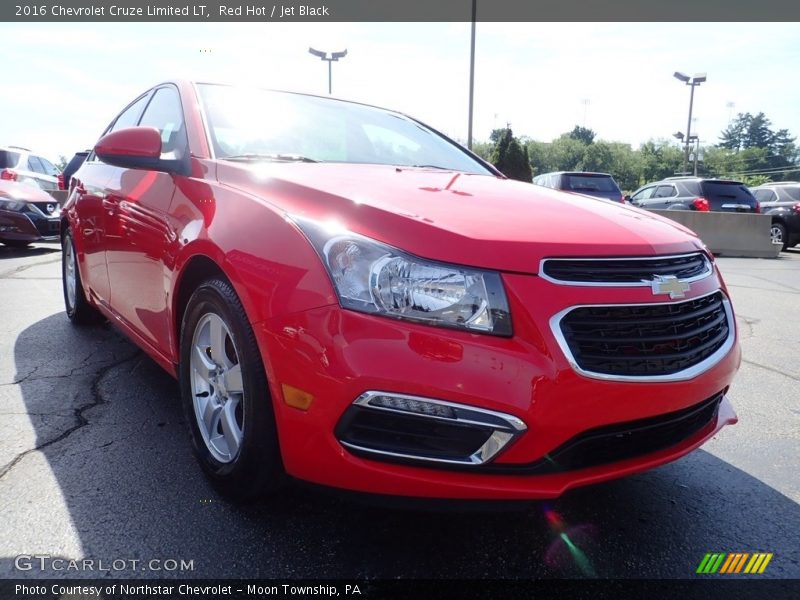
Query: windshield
x,y
255,124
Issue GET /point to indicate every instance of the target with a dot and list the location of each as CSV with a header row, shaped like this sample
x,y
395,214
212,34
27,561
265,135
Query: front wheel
x,y
78,308
777,234
225,395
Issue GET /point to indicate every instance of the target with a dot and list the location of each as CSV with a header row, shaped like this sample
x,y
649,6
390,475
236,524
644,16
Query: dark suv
x,y
599,185
696,193
782,202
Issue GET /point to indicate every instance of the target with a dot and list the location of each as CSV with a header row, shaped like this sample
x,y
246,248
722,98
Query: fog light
x,y
399,427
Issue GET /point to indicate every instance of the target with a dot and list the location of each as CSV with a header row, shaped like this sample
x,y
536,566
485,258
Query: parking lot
x,y
95,463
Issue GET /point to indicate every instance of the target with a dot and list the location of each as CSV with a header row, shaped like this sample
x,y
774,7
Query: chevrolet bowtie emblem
x,y
669,284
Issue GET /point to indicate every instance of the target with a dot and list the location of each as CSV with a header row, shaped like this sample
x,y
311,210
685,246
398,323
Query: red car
x,y
350,298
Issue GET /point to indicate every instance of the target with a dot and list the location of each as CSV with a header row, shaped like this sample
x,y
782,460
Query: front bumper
x,y
24,227
337,355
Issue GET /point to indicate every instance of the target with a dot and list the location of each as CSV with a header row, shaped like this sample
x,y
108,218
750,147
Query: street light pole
x,y
334,57
692,82
471,73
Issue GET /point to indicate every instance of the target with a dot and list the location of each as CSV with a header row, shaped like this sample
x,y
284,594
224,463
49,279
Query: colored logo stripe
x,y
734,562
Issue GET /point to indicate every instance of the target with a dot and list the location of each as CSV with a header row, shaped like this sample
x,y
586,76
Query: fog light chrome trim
x,y
506,428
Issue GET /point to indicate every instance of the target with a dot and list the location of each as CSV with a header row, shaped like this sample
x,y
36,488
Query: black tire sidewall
x,y
79,311
257,468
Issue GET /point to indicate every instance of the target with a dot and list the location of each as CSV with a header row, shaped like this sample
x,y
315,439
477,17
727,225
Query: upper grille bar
x,y
624,271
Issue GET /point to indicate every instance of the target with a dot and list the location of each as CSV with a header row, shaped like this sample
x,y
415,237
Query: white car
x,y
22,165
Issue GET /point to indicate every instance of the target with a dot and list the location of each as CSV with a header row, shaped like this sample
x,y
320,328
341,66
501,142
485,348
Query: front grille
x,y
646,340
621,441
47,208
47,227
622,271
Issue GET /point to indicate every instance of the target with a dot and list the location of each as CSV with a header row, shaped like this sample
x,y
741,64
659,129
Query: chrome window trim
x,y
204,119
643,283
684,375
500,438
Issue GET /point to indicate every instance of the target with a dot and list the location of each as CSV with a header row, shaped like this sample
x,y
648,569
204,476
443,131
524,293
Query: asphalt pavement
x,y
95,464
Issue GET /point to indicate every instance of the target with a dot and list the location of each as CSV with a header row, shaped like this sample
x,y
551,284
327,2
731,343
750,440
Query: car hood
x,y
23,192
476,220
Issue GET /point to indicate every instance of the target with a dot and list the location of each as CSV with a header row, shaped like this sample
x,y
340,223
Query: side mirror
x,y
136,148
627,198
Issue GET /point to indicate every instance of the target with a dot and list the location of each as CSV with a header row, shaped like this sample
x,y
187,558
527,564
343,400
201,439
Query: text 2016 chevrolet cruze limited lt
x,y
350,298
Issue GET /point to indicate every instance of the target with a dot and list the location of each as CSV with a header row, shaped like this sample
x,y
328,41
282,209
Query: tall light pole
x,y
693,82
692,139
471,73
334,57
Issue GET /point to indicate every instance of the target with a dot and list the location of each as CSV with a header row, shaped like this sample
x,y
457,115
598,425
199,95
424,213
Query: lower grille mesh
x,y
646,340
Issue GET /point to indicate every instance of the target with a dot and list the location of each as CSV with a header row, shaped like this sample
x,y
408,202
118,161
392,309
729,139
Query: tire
x,y
225,396
16,243
77,307
777,233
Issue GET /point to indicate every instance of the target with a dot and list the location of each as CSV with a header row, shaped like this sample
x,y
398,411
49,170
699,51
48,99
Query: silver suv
x,y
22,165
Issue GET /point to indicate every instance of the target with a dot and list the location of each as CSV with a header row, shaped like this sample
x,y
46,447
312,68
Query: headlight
x,y
14,205
371,277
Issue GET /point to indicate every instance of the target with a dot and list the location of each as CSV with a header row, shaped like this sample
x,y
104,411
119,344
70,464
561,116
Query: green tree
x,y
582,134
509,156
755,149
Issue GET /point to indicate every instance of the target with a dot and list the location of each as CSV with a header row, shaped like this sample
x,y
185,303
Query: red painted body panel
x,y
140,141
138,232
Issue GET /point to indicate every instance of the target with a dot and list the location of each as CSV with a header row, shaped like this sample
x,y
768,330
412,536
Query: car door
x,y
91,210
664,197
140,236
642,197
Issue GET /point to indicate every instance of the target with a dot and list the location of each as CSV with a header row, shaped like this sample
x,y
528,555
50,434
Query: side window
x,y
34,165
764,195
644,194
664,191
165,114
127,118
49,168
130,117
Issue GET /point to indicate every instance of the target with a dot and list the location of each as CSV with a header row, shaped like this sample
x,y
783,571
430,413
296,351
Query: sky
x,y
63,83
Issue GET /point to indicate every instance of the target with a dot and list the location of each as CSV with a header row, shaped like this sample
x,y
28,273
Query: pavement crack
x,y
11,272
97,400
772,369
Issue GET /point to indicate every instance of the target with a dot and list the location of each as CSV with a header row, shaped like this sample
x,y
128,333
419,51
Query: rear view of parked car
x,y
27,215
782,202
23,166
696,193
599,185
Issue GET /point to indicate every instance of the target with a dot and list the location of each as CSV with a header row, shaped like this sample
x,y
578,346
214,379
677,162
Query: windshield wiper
x,y
254,156
426,167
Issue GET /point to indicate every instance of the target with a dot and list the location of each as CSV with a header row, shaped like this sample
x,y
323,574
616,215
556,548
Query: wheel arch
x,y
197,268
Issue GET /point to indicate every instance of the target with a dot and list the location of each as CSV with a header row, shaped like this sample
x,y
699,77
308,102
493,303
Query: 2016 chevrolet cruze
x,y
350,298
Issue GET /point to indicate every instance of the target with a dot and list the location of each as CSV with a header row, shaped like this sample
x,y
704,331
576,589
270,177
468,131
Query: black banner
x,y
109,589
397,10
